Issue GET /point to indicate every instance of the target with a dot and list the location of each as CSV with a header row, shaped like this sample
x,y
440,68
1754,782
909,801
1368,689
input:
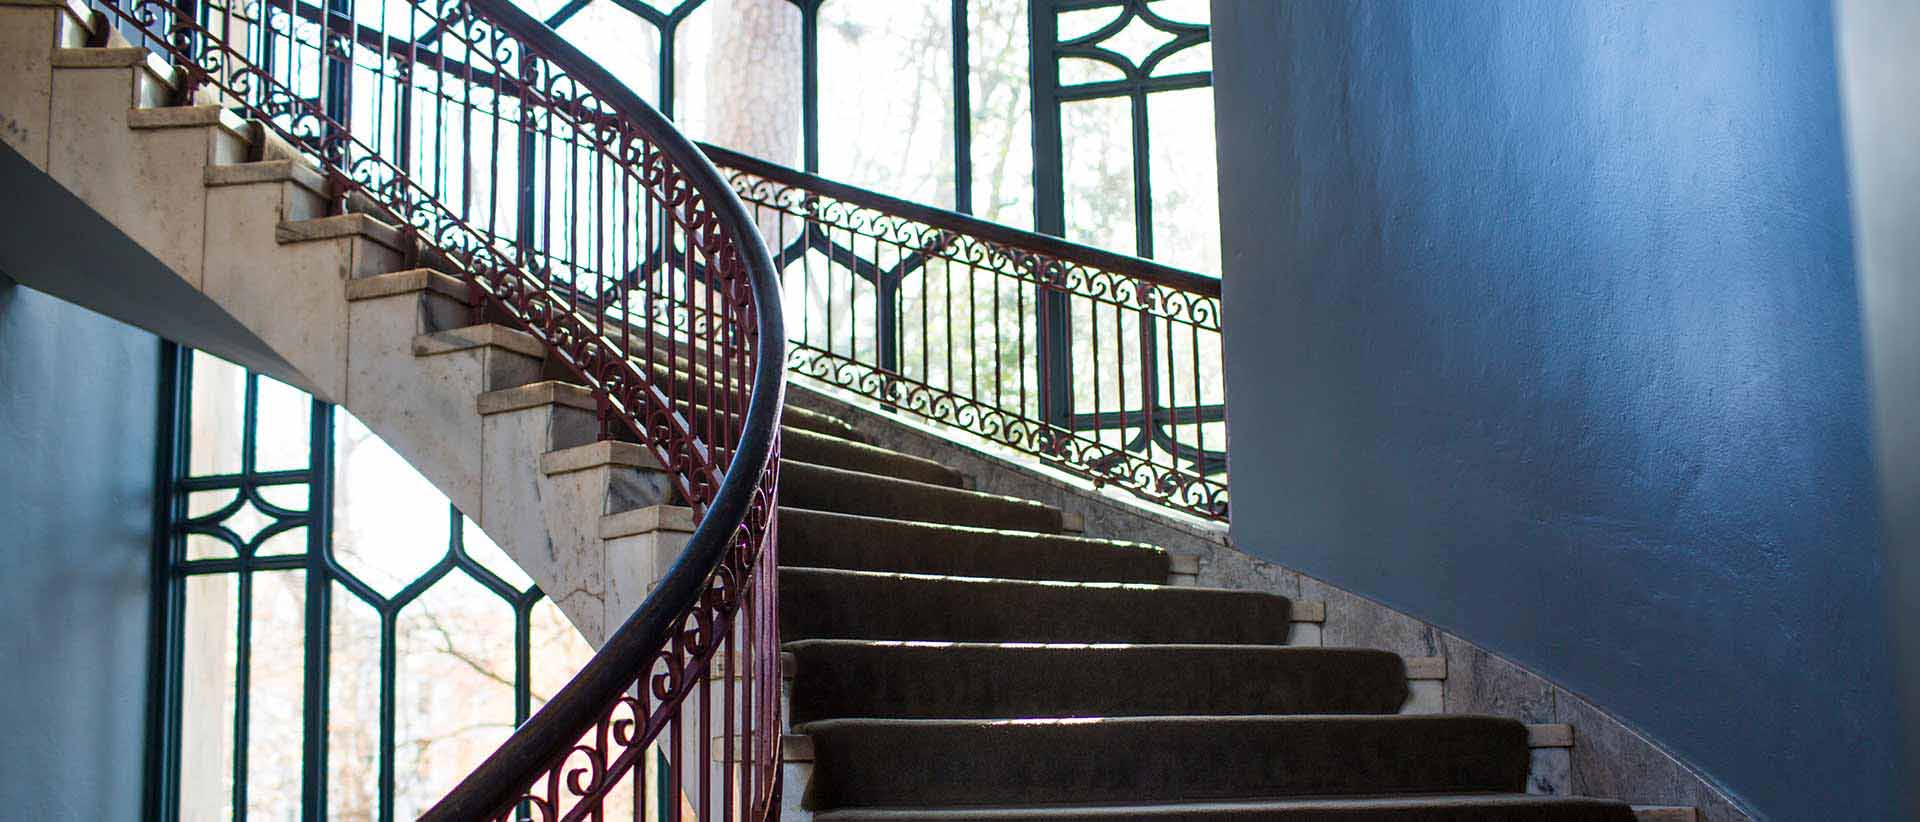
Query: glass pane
x,y
456,654
1097,150
737,77
290,541
247,522
1077,70
353,703
281,434
1073,25
290,497
540,9
1002,150
389,523
206,697
1187,60
1136,40
1186,205
484,551
275,696
622,42
202,503
886,96
1181,11
558,650
218,405
207,546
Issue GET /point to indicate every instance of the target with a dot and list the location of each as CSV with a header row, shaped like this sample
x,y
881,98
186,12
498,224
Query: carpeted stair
x,y
1472,808
938,680
959,655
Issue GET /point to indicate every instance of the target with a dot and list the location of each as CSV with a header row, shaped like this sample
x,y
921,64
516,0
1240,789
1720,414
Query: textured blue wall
x,y
1542,325
78,415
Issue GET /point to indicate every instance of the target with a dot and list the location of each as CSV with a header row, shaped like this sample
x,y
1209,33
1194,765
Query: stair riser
x,y
840,680
148,182
918,764
839,453
824,605
1544,811
821,489
821,540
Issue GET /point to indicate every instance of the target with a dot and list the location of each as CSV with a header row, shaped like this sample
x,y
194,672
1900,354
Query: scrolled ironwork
x,y
1103,365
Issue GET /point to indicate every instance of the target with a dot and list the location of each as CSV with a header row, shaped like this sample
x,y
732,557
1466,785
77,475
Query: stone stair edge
x,y
281,170
407,281
114,56
1315,615
1153,810
493,335
190,116
978,529
917,485
600,454
1174,719
337,226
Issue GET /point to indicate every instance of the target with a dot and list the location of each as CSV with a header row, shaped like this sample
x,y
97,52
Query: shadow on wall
x,y
1878,71
78,405
1547,317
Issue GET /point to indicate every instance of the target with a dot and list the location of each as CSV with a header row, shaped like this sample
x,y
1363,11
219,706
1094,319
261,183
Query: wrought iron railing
x,y
1101,364
576,213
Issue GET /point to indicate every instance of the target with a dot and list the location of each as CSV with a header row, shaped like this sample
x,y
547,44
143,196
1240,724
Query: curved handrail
x,y
490,54
545,738
499,781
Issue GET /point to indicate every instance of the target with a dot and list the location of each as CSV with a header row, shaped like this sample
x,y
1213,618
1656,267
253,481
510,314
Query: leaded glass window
x,y
1089,119
340,642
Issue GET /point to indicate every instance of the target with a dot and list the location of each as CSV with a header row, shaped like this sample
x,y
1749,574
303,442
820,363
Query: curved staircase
x,y
951,654
959,655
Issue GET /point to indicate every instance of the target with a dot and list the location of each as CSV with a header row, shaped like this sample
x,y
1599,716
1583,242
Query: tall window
x,y
1125,110
339,643
945,101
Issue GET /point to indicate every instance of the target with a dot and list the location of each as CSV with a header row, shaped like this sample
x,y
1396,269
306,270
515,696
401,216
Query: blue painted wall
x,y
78,410
1542,325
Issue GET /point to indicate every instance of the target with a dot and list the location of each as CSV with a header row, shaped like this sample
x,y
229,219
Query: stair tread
x,y
109,57
863,519
1073,724
889,762
831,539
930,486
837,603
1039,583
1493,802
979,680
840,452
1129,647
825,487
791,417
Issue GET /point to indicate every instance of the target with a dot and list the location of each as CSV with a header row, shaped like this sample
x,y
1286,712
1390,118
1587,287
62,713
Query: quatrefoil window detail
x,y
1128,41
